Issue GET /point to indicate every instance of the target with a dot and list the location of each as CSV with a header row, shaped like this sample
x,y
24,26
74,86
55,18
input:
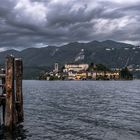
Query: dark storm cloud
x,y
36,23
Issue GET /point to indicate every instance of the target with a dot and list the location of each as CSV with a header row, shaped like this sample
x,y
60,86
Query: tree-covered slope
x,y
111,53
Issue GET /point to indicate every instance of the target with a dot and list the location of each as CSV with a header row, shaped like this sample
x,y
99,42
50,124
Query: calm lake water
x,y
79,110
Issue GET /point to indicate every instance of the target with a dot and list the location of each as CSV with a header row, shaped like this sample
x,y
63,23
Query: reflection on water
x,y
79,110
19,133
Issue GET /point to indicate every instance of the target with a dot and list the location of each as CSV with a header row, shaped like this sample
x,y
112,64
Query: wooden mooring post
x,y
19,95
11,98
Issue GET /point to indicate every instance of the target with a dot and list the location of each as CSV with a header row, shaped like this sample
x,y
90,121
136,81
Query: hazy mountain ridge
x,y
110,53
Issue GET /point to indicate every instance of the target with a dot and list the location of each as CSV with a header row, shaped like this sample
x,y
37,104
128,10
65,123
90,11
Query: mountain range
x,y
110,53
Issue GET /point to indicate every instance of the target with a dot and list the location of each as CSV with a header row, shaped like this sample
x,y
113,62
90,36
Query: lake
x,y
79,110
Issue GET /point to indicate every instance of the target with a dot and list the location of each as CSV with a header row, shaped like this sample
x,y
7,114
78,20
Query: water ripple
x,y
80,110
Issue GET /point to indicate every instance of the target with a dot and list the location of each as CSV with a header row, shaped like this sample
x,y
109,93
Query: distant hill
x,y
110,53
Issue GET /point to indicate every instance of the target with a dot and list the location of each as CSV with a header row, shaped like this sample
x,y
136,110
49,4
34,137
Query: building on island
x,y
76,71
56,68
75,67
81,75
107,75
86,72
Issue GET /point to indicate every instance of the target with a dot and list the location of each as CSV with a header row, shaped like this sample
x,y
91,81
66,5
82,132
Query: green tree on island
x,y
126,74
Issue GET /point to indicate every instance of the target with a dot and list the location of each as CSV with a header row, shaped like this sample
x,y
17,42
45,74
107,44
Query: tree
x,y
125,74
91,67
101,67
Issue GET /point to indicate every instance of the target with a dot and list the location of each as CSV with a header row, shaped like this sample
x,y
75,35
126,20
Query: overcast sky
x,y
37,23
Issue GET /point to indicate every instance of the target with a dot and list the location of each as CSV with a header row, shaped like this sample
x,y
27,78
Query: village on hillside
x,y
86,72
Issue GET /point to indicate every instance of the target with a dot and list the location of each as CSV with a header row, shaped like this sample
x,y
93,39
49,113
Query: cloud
x,y
34,23
30,13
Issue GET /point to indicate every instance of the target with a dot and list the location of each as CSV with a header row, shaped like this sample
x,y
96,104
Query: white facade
x,y
75,67
56,67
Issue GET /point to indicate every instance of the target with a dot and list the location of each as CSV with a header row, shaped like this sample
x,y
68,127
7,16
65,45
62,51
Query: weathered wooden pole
x,y
19,94
10,112
3,93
